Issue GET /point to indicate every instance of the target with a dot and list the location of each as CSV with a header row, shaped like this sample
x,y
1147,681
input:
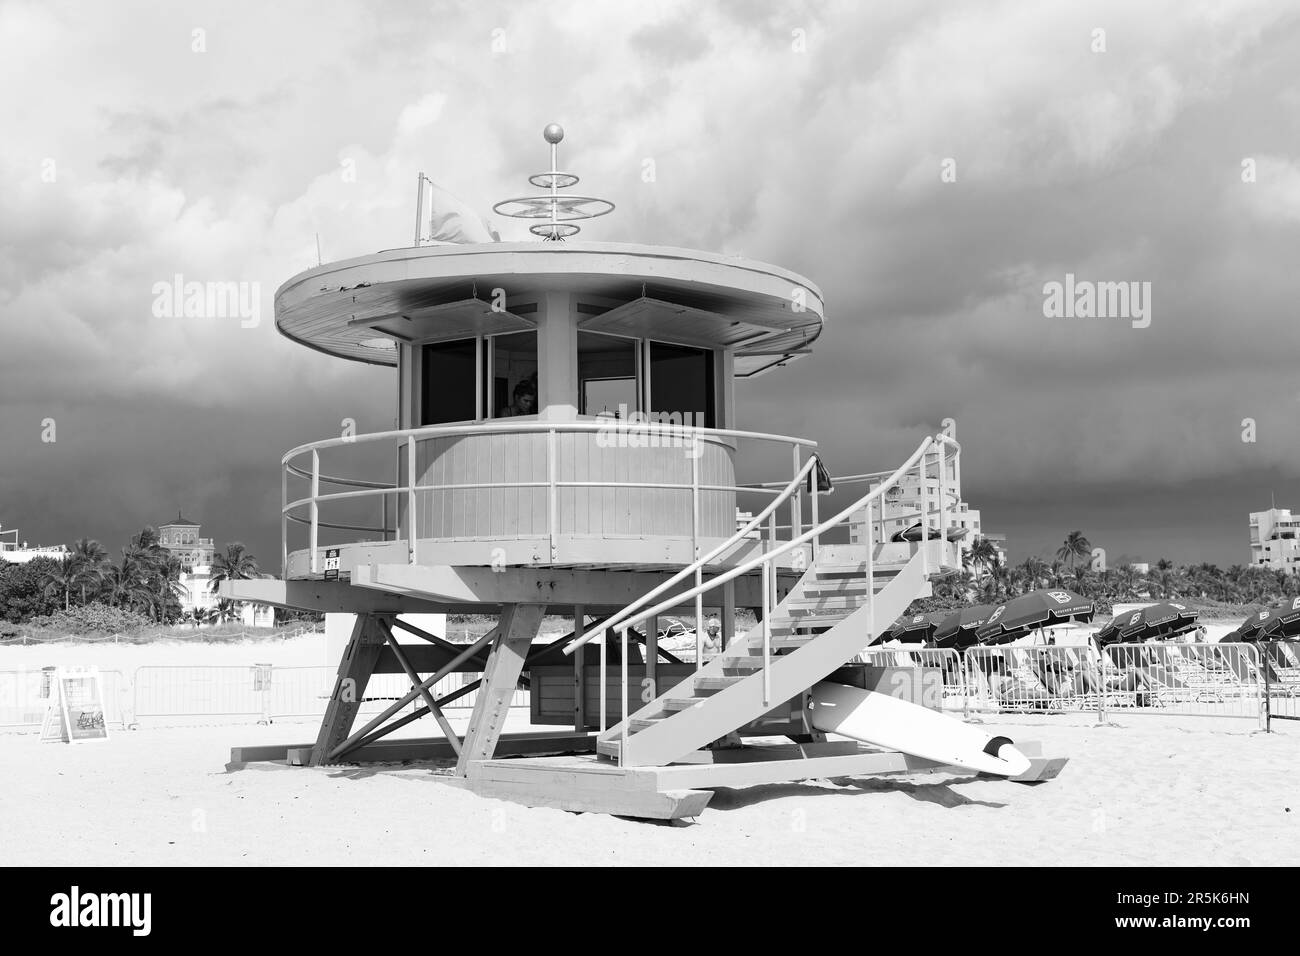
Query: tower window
x,y
448,382
681,385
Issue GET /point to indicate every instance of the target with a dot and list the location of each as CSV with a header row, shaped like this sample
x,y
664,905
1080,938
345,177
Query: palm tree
x,y
235,565
1074,547
88,560
982,554
1034,569
58,578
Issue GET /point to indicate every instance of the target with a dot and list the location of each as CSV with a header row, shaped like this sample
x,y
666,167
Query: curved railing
x,y
306,509
697,567
765,562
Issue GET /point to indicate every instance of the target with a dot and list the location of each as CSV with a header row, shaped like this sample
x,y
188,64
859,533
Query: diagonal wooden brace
x,y
518,626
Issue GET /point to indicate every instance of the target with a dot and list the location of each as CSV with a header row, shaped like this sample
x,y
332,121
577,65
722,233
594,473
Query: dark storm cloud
x,y
810,135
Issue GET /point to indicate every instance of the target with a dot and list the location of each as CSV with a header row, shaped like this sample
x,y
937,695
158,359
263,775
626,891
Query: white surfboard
x,y
884,721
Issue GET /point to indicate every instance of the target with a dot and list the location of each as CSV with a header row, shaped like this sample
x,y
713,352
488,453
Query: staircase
x,y
821,624
833,612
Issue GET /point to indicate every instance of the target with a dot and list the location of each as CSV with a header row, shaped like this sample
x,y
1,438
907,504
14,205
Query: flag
x,y
451,220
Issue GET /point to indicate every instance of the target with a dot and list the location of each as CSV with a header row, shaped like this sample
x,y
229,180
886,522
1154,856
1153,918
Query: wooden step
x,y
858,567
785,642
809,619
835,587
642,723
715,684
747,664
682,703
848,602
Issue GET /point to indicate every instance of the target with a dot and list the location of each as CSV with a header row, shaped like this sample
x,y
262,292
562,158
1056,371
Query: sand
x,y
1158,790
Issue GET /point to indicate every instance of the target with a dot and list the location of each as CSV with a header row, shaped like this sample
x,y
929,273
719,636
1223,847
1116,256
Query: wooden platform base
x,y
596,784
422,748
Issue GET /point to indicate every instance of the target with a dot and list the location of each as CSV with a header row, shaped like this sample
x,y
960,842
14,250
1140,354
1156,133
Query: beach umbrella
x,y
1148,623
915,627
913,534
1023,614
1280,620
958,628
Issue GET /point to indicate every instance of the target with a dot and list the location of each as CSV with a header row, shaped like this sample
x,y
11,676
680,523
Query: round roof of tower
x,y
357,308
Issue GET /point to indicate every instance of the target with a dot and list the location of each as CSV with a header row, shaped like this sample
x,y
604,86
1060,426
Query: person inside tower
x,y
525,402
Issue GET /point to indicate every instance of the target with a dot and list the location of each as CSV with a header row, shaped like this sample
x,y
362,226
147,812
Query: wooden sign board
x,y
75,713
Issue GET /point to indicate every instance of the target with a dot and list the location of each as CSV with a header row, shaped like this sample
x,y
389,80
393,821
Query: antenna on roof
x,y
562,211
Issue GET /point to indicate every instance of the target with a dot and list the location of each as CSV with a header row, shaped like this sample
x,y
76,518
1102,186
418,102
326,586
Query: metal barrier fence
x,y
305,691
259,691
948,662
25,695
1282,676
1199,680
1035,679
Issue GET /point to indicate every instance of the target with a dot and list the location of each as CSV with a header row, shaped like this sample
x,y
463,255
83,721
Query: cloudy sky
x,y
1163,149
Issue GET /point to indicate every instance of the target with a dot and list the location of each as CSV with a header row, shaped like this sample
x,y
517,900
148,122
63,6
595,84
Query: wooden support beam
x,y
393,708
651,655
728,614
354,672
420,748
414,678
515,632
412,716
579,676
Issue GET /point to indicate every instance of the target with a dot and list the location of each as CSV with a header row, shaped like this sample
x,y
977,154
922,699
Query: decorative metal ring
x,y
559,230
559,208
558,180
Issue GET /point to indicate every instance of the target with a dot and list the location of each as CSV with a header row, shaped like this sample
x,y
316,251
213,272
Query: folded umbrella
x,y
916,627
1023,614
958,628
1278,621
1149,623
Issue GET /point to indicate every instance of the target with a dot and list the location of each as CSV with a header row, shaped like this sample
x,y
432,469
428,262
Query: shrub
x,y
94,617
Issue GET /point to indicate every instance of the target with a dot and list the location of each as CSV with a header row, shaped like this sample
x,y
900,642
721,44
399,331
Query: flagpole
x,y
419,204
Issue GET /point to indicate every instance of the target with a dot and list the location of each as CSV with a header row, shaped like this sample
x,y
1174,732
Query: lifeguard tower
x,y
569,443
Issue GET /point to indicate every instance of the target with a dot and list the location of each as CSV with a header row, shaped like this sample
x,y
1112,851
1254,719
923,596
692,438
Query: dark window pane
x,y
448,382
514,373
681,384
606,375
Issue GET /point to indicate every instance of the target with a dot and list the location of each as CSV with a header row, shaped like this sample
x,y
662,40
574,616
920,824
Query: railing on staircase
x,y
870,506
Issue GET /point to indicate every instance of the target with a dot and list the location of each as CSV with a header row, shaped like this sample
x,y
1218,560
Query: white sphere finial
x,y
553,133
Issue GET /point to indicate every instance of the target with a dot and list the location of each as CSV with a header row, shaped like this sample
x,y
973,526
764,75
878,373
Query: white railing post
x,y
315,509
622,741
771,542
943,501
284,521
699,620
871,566
410,499
695,554
767,635
552,503
604,655
925,517
796,507
695,504
816,521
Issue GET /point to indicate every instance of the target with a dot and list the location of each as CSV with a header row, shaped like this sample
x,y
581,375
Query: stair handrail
x,y
768,556
615,621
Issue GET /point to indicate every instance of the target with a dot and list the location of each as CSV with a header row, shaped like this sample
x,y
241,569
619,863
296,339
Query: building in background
x,y
1274,539
181,538
16,553
902,509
